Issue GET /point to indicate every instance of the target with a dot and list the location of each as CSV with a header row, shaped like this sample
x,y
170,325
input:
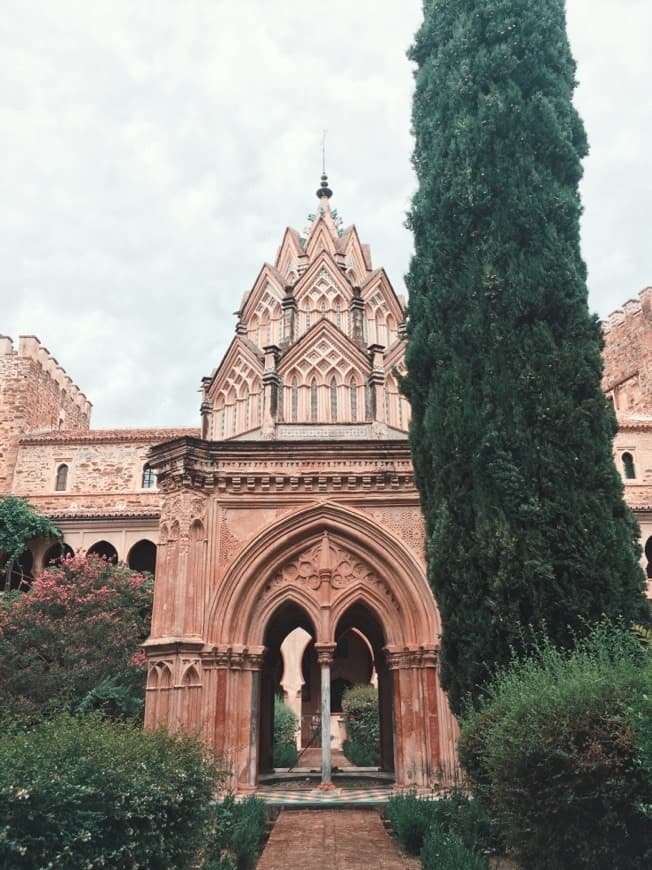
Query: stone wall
x,y
35,394
628,355
105,471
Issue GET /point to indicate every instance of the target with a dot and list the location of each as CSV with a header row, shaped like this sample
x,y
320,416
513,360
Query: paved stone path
x,y
332,840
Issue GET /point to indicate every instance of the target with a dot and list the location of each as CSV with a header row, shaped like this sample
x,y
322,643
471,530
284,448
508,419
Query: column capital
x,y
325,653
421,656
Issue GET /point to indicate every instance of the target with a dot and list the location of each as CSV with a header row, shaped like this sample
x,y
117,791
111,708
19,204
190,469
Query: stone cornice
x,y
277,466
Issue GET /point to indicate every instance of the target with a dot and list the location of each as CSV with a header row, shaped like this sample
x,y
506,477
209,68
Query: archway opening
x,y
104,550
142,557
56,554
16,574
360,640
279,655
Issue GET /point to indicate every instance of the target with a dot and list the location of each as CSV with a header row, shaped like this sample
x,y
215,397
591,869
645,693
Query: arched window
x,y
313,400
149,478
142,556
222,413
104,550
57,553
333,391
353,389
648,556
62,478
628,466
295,400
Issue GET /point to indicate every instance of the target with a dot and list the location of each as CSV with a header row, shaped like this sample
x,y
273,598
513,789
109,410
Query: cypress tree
x,y
511,434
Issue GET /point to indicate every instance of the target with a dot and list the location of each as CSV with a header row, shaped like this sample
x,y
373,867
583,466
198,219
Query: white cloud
x,y
153,153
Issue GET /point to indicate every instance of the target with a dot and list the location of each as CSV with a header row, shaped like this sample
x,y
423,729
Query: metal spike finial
x,y
324,190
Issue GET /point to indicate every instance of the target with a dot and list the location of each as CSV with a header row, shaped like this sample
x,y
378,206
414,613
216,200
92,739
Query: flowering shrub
x,y
73,640
81,792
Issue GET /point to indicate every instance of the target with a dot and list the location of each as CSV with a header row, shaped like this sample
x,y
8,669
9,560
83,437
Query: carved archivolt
x,y
325,561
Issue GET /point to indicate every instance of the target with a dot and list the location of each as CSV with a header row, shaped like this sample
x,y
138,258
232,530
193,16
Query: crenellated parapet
x,y
36,394
628,355
29,347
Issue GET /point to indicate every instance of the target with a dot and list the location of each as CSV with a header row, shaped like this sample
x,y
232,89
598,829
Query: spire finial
x,y
324,190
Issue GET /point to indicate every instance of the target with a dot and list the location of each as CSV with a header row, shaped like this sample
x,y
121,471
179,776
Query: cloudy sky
x,y
154,151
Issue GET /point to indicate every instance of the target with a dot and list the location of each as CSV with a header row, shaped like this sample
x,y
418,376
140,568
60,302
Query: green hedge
x,y
556,754
86,793
412,817
238,830
360,710
286,725
443,849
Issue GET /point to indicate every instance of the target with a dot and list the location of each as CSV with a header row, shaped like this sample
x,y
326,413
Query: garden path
x,y
332,840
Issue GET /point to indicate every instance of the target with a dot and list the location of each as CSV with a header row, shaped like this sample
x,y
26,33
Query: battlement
x,y
631,309
30,348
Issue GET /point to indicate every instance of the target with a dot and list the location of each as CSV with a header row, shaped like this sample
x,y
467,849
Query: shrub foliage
x,y
84,793
555,752
412,817
237,834
74,640
285,731
360,709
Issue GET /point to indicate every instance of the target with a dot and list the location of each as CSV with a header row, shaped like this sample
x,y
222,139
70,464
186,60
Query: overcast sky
x,y
154,151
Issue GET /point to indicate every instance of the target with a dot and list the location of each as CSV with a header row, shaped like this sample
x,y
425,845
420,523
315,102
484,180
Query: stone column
x,y
271,388
289,308
356,315
376,384
325,653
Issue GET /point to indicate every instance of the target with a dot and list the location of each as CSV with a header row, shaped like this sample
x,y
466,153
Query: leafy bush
x,y
238,830
285,732
555,753
360,709
443,849
85,792
73,640
412,817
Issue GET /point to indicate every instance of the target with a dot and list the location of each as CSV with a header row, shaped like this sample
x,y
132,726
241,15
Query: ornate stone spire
x,y
324,190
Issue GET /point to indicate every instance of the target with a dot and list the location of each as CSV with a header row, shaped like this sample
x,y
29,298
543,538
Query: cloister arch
x,y
338,569
398,590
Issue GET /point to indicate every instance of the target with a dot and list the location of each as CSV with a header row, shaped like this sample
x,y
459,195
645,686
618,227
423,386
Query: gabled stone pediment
x,y
291,255
324,352
322,236
268,288
241,365
357,261
323,278
377,290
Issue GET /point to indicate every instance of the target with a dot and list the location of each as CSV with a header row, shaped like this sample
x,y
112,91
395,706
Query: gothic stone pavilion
x,y
286,532
297,509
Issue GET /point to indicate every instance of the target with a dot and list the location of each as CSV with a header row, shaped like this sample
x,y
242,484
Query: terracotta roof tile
x,y
103,436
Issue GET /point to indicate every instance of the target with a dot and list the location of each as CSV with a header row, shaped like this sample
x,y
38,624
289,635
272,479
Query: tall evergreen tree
x,y
511,433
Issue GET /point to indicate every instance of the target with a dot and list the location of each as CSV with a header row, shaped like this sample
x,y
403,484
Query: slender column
x,y
325,658
253,730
